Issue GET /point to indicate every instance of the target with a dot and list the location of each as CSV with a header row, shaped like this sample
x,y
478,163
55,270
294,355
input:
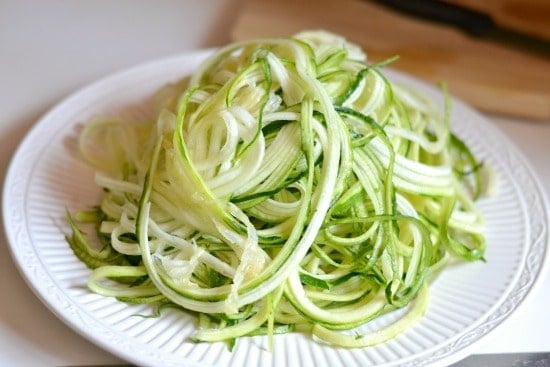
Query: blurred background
x,y
51,48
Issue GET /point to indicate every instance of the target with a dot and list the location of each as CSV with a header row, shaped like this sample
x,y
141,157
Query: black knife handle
x,y
470,21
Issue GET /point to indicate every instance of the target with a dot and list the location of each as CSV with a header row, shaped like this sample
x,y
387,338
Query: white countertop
x,y
48,49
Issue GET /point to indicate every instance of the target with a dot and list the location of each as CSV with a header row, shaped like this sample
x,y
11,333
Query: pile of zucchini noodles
x,y
285,185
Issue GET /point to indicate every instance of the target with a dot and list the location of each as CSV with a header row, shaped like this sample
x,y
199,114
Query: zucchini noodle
x,y
285,185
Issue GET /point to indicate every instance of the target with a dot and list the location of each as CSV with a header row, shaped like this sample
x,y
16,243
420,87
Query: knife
x,y
474,23
506,359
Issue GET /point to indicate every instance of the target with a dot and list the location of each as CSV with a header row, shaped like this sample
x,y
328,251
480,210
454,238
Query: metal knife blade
x,y
506,360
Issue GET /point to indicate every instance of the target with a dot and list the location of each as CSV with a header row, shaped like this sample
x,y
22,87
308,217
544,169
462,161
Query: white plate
x,y
467,302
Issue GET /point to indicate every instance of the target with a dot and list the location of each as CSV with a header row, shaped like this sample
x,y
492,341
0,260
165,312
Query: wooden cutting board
x,y
492,77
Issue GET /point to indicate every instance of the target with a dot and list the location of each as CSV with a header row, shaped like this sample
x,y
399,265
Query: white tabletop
x,y
48,49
